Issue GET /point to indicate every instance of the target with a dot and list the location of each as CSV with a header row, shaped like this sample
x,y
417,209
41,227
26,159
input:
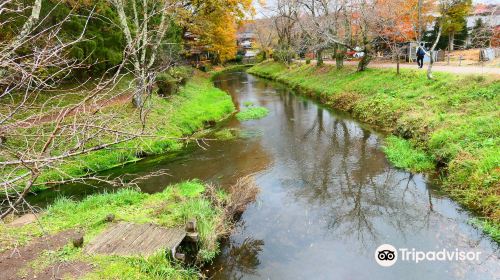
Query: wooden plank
x,y
122,245
106,237
145,231
127,239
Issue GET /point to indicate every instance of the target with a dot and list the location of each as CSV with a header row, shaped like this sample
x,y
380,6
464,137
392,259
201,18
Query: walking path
x,y
489,70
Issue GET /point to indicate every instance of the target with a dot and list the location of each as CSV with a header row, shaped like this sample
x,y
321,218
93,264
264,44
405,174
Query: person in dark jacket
x,y
420,55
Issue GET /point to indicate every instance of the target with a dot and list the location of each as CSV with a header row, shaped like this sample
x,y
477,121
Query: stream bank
x,y
452,122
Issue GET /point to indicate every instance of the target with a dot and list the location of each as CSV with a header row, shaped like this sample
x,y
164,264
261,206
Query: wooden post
x,y
191,231
191,225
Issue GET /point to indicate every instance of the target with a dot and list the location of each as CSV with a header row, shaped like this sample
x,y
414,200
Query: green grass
x,y
171,208
403,155
252,113
153,267
488,227
198,102
453,119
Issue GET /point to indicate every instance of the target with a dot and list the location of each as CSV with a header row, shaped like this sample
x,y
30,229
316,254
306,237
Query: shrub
x,y
167,85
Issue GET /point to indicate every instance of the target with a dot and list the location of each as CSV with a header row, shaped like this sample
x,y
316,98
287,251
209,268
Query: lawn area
x,y
452,122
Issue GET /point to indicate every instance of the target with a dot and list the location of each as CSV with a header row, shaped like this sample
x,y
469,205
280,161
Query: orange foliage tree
x,y
215,22
397,21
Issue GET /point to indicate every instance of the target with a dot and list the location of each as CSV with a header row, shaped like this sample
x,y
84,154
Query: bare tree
x,y
144,24
484,29
339,25
285,19
41,132
266,35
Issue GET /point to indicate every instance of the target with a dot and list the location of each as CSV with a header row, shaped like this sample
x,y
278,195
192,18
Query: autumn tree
x,y
398,21
214,22
454,19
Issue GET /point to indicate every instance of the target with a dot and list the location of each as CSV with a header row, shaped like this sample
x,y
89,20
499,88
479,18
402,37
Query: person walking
x,y
420,55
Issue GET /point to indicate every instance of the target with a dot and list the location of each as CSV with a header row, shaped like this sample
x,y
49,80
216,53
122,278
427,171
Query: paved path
x,y
439,68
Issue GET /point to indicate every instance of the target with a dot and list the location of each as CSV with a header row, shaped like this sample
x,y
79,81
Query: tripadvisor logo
x,y
386,255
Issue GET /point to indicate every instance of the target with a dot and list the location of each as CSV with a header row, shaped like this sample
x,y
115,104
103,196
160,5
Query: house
x,y
488,14
194,51
246,36
247,40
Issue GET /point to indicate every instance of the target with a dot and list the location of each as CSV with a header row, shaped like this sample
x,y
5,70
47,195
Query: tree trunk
x,y
429,68
25,31
397,63
431,52
451,41
319,58
365,60
339,57
140,87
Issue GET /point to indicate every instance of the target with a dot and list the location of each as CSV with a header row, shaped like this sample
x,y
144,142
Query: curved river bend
x,y
329,197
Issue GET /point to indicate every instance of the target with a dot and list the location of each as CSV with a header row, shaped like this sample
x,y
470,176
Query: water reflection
x,y
241,258
330,198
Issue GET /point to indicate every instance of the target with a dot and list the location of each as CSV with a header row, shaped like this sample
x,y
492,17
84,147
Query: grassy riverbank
x,y
170,208
198,102
451,122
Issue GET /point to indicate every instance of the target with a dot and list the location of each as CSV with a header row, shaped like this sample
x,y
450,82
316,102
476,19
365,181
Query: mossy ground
x,y
453,120
172,207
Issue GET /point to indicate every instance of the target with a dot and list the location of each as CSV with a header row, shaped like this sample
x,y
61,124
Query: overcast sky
x,y
260,10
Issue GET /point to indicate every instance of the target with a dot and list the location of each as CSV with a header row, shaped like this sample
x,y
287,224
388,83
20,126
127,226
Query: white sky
x,y
260,10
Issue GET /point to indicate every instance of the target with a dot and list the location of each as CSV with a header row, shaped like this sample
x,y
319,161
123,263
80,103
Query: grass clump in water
x,y
402,154
226,134
248,103
252,113
488,227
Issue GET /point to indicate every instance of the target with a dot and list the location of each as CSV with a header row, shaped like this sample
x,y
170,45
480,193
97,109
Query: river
x,y
329,197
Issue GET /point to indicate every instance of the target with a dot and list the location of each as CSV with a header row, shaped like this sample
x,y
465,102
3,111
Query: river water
x,y
329,197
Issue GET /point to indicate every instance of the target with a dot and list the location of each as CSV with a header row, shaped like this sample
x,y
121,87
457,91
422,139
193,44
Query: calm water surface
x,y
329,197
